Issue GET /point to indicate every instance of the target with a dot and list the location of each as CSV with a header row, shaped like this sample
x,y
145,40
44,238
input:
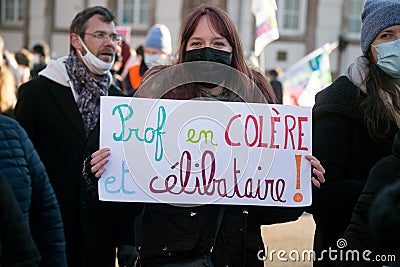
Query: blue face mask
x,y
389,57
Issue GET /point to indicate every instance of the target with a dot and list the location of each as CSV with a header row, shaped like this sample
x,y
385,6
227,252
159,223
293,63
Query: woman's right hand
x,y
99,159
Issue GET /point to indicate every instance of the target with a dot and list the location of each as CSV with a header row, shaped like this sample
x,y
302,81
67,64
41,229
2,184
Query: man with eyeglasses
x,y
60,112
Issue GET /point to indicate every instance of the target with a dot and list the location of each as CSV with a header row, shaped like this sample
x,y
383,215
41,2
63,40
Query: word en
x,y
192,134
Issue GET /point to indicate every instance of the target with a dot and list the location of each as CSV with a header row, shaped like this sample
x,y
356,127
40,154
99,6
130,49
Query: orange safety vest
x,y
134,76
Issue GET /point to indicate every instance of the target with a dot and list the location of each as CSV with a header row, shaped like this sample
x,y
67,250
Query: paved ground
x,y
292,238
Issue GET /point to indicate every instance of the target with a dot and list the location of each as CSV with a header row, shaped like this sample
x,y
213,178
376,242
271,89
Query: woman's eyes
x,y
195,44
385,36
214,44
219,44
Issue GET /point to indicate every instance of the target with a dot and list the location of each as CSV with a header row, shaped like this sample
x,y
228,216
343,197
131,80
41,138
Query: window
x,y
354,9
134,13
281,56
291,16
13,11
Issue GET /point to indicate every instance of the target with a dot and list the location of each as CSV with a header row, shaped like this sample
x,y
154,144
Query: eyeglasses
x,y
101,36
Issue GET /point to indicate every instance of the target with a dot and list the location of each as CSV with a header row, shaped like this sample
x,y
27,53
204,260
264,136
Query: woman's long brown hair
x,y
259,91
378,119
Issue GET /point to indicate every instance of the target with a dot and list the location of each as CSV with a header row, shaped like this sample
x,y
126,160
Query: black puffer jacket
x,y
385,220
358,235
342,143
16,245
26,174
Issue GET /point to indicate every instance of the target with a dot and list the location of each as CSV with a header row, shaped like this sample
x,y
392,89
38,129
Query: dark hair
x,y
378,118
139,50
273,73
78,24
24,57
222,24
41,48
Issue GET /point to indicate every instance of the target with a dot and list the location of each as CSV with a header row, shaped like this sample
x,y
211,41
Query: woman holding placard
x,y
183,235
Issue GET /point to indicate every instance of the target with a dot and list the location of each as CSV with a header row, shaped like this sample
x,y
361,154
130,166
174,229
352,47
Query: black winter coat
x,y
26,174
342,143
384,221
16,244
171,233
358,234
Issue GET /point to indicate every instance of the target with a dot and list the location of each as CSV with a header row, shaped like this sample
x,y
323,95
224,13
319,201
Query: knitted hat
x,y
377,16
159,37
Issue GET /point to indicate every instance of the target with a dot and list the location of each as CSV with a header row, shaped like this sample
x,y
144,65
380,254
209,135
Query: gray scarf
x,y
358,73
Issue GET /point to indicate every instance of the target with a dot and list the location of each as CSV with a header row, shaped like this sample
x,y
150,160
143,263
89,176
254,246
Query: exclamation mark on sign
x,y
298,197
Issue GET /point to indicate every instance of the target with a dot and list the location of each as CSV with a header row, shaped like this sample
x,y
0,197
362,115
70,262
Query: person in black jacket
x,y
384,221
41,56
354,123
276,85
21,165
358,235
17,248
172,234
60,112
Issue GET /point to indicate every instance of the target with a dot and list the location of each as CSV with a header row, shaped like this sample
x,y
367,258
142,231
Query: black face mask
x,y
208,54
213,72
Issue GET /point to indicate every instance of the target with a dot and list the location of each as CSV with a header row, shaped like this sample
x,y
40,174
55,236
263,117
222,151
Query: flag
x,y
266,25
304,79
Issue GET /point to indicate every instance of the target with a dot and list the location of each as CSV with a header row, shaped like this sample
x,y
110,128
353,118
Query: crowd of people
x,y
50,159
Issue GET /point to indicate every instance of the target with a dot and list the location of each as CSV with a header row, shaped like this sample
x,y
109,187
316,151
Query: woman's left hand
x,y
317,169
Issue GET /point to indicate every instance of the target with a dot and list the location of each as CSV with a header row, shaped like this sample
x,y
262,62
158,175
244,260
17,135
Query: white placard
x,y
205,152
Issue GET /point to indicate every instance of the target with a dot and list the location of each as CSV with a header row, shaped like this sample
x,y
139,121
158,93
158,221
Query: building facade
x,y
304,25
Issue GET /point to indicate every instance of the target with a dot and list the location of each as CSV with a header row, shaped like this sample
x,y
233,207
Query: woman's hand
x,y
99,159
317,169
